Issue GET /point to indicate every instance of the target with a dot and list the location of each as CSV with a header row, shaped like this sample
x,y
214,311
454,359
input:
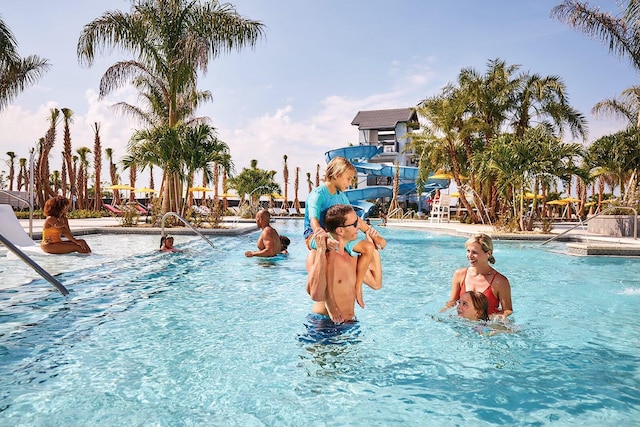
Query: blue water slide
x,y
377,169
356,152
358,156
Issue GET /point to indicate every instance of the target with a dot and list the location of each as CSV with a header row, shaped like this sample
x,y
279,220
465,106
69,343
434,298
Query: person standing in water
x,y
481,277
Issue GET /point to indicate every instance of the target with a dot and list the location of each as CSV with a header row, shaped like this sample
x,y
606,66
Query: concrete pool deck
x,y
579,241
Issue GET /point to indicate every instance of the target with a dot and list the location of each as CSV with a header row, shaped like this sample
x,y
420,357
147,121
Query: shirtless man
x,y
269,241
338,267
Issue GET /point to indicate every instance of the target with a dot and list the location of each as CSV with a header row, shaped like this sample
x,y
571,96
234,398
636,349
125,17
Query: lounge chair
x,y
112,209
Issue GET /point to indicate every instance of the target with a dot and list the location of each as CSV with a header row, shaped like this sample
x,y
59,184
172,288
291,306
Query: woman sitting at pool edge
x,y
57,225
481,277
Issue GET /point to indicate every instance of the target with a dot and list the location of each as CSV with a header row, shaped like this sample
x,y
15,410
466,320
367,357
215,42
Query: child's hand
x,y
375,237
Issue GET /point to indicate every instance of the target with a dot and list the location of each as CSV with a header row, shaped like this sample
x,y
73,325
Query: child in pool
x,y
339,176
284,243
166,244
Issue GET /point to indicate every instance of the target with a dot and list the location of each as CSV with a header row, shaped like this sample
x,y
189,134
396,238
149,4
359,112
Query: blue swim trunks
x,y
321,329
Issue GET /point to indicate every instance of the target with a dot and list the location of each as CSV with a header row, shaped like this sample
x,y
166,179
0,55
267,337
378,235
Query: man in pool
x,y
269,241
338,268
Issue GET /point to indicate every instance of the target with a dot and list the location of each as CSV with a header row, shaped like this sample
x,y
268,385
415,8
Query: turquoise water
x,y
209,337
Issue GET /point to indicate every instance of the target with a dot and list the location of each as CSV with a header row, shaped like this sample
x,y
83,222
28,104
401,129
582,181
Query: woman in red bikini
x,y
481,277
57,225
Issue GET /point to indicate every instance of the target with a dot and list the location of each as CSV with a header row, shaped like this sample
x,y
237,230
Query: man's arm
x,y
317,272
269,246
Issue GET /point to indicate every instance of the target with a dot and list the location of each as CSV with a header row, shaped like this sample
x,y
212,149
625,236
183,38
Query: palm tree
x,y
23,174
543,100
620,34
55,180
83,176
67,115
252,179
309,182
285,179
317,175
43,187
627,106
16,73
97,167
173,40
12,168
113,174
296,186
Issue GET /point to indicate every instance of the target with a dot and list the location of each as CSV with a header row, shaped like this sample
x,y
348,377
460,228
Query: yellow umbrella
x,y
228,195
570,200
557,202
145,190
531,196
119,187
192,189
277,196
445,175
455,194
441,175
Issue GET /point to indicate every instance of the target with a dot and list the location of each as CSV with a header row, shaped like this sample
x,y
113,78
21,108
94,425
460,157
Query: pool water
x,y
209,337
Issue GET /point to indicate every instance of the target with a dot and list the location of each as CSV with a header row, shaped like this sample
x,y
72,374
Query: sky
x,y
319,63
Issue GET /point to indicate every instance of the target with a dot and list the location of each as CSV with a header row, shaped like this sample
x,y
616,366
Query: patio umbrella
x,y
228,196
531,196
145,190
570,200
200,188
118,187
557,202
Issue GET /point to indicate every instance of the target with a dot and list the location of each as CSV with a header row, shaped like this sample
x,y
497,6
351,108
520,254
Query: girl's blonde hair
x,y
485,242
337,167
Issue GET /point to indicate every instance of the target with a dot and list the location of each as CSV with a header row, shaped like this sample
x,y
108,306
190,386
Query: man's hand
x,y
248,254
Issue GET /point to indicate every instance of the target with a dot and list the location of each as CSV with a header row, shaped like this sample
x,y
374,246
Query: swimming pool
x,y
209,337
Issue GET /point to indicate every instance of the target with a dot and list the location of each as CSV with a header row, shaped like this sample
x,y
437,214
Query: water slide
x,y
359,155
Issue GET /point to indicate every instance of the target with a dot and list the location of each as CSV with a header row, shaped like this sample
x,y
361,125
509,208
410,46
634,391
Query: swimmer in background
x,y
269,241
332,273
284,243
480,276
166,244
56,226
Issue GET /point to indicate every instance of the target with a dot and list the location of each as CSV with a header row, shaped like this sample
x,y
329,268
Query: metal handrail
x,y
635,223
30,209
168,214
41,271
407,213
395,211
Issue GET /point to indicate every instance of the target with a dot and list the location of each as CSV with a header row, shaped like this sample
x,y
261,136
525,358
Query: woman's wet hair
x,y
485,242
